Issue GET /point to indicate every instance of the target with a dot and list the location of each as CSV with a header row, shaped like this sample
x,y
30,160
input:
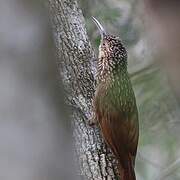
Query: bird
x,y
114,103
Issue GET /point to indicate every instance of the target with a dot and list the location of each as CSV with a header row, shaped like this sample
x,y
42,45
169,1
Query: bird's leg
x,y
93,120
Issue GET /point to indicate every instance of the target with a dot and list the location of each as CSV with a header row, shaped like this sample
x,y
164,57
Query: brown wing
x,y
133,135
120,129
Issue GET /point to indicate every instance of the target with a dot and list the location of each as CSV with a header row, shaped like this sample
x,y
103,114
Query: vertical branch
x,y
74,64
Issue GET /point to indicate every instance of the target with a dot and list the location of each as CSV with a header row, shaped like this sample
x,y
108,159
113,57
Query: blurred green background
x,y
158,103
35,132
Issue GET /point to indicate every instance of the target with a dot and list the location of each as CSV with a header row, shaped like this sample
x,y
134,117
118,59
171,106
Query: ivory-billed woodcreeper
x,y
115,104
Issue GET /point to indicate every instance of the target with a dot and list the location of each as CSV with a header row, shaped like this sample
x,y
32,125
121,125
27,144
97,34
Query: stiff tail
x,y
128,172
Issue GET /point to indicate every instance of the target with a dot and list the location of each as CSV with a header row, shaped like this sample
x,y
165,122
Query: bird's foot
x,y
92,121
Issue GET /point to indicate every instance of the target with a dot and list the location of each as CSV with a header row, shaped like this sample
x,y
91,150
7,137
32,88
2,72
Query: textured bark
x,y
75,65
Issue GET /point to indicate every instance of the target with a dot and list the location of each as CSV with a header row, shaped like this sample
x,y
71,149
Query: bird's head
x,y
111,50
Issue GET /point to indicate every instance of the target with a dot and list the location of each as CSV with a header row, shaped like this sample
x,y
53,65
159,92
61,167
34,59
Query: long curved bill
x,y
100,27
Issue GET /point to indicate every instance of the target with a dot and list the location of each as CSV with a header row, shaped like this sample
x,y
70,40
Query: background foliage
x,y
35,133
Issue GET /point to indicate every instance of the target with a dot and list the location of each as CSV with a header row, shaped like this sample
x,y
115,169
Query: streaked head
x,y
111,47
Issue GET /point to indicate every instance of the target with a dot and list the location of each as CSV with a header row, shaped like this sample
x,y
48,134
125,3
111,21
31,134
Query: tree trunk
x,y
75,65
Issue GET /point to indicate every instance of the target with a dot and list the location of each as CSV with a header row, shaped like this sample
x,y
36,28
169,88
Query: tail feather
x,y
127,173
